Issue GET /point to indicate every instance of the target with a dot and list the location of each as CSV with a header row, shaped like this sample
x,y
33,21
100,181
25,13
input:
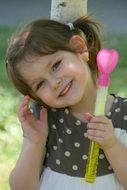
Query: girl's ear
x,y
80,46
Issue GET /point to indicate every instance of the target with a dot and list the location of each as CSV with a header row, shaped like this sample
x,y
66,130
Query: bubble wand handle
x,y
106,62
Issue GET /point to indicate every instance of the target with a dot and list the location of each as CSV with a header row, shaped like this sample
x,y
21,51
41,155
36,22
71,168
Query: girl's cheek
x,y
47,98
49,102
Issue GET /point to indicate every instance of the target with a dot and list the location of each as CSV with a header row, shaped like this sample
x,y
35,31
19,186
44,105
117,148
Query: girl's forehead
x,y
42,58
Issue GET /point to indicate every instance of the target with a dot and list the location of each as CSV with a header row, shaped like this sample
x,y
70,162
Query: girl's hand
x,y
100,129
35,130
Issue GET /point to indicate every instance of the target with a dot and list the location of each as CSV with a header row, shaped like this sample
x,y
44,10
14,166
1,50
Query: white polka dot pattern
x,y
54,126
53,109
85,134
77,144
68,131
75,167
60,140
125,117
67,153
84,157
117,109
109,114
101,156
58,162
109,167
55,147
78,123
116,100
47,155
66,111
61,120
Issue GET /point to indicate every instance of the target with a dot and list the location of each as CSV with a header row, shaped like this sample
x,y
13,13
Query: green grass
x,y
10,132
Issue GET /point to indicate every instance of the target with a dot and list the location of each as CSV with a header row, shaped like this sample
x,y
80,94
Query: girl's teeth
x,y
65,90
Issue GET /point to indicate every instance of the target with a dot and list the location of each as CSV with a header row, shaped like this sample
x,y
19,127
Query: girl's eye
x,y
56,65
40,84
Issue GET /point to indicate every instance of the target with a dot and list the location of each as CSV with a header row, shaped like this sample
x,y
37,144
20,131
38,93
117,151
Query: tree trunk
x,y
68,10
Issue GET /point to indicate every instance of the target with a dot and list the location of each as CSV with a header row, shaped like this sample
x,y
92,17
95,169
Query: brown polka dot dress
x,y
67,150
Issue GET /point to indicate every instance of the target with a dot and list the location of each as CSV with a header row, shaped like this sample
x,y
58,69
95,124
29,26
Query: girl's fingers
x,y
25,99
24,107
95,133
96,119
100,129
100,119
95,138
98,136
25,102
88,116
97,126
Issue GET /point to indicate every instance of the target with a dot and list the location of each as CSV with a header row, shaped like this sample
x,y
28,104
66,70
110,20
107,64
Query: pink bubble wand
x,y
106,62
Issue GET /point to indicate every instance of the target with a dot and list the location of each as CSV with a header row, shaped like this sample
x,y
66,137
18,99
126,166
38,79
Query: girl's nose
x,y
55,82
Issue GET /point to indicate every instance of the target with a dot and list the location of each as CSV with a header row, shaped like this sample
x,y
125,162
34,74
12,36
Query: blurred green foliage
x,y
10,132
119,75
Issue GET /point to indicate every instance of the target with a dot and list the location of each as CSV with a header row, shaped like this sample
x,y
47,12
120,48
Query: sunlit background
x,y
113,16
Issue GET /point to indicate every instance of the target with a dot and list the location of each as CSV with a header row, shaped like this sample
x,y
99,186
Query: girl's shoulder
x,y
116,104
119,117
118,112
120,103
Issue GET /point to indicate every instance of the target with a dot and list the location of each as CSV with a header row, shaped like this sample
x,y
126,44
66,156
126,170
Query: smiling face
x,y
59,80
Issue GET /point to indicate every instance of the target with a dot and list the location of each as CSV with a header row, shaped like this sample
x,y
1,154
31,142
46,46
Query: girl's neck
x,y
89,106
86,105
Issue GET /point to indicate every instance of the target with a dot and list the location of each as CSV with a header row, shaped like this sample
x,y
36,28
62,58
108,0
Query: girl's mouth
x,y
66,89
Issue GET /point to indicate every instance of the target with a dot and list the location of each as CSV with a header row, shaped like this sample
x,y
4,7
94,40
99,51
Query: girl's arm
x,y
117,156
26,173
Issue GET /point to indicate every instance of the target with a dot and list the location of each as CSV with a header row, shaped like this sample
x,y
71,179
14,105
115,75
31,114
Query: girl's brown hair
x,y
42,37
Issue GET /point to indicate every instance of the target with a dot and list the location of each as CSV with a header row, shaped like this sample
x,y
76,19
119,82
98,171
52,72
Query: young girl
x,y
55,65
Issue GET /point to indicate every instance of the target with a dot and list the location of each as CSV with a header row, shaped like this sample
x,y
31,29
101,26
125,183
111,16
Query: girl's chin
x,y
73,100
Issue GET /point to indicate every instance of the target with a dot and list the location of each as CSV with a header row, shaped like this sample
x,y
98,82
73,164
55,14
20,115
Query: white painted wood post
x,y
68,10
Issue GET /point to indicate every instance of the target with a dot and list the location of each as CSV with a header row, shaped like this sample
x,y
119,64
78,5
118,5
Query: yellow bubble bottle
x,y
106,62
